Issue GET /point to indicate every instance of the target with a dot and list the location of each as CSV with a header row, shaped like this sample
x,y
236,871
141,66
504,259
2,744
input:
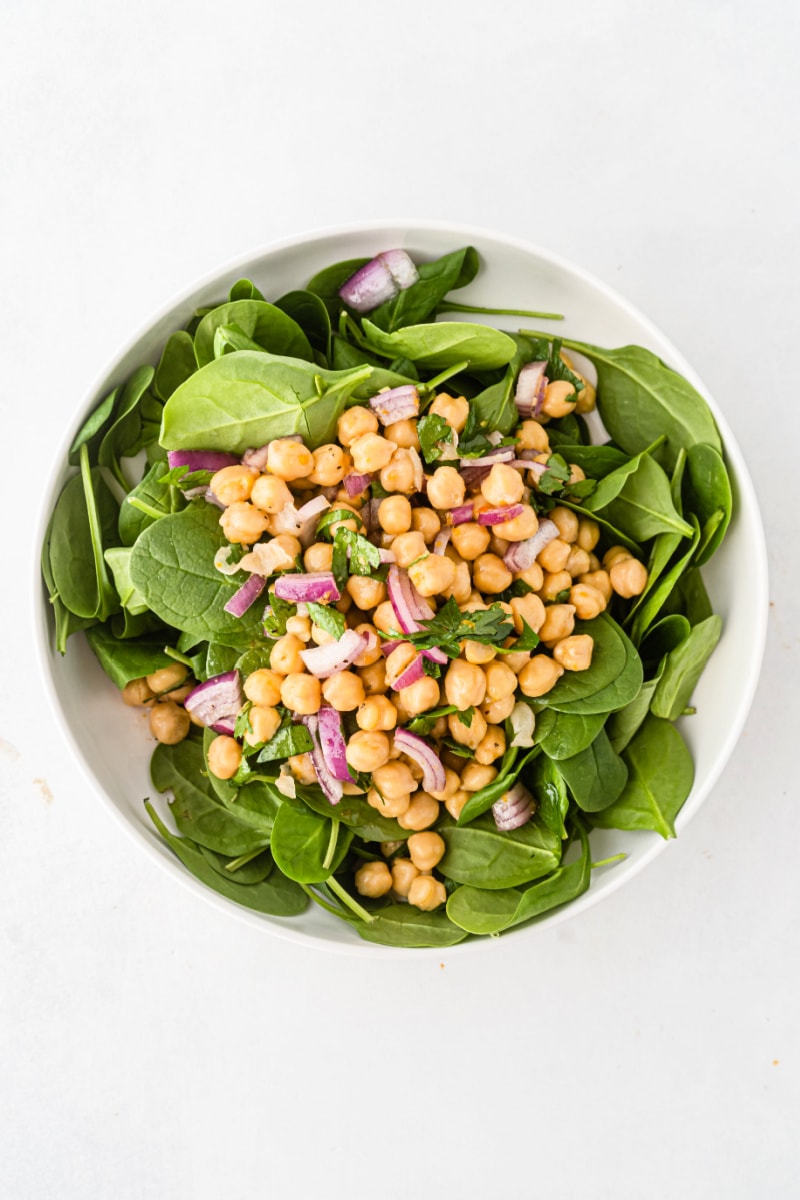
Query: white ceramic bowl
x,y
514,274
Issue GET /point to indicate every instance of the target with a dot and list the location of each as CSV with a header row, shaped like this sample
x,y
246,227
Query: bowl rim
x,y
748,507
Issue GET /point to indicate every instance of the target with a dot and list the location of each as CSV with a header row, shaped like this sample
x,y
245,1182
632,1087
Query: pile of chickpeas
x,y
567,581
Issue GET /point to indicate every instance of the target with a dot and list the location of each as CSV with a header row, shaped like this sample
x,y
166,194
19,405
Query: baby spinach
x,y
624,723
656,599
289,740
178,361
266,324
155,497
441,345
418,302
563,734
118,559
354,812
683,667
84,523
135,423
93,429
402,925
246,399
494,408
300,841
595,776
612,680
124,660
660,775
707,492
481,855
310,313
641,505
550,792
326,283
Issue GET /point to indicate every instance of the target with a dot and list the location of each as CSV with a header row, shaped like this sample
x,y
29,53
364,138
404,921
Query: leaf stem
x,y
235,863
606,862
337,912
176,654
147,509
348,900
452,306
329,853
443,376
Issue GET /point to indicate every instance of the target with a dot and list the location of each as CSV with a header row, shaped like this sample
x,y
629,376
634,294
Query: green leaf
x,y
326,283
418,302
326,618
92,431
431,430
612,680
484,856
660,776
562,735
156,495
178,362
707,493
265,324
300,841
642,507
441,345
73,546
402,925
133,426
493,409
124,660
288,741
310,313
683,667
595,776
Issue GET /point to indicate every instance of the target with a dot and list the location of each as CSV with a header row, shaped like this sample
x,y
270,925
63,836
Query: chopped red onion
x,y
217,701
433,777
211,498
388,647
332,743
473,476
441,540
201,460
410,608
387,556
379,280
316,586
523,722
524,464
256,458
356,484
497,516
529,393
246,596
327,660
420,480
300,522
521,555
412,674
457,516
502,454
514,809
396,404
331,786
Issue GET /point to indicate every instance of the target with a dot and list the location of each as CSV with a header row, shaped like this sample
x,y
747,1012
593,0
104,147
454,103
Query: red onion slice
x,y
473,476
212,499
318,587
514,809
201,460
521,555
441,540
217,701
356,484
379,280
503,454
245,596
457,516
433,776
327,660
525,464
332,787
529,393
396,404
409,607
497,516
412,674
332,744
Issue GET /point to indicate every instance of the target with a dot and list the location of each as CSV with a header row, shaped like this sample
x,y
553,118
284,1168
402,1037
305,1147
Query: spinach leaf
x,y
596,461
595,776
93,429
494,407
612,680
478,910
77,538
562,735
326,618
660,776
118,559
178,361
441,345
246,868
656,599
550,791
482,855
310,313
354,812
246,399
275,895
418,302
482,800
623,724
346,357
402,925
689,596
266,324
707,493
431,430
300,843
125,660
288,741
683,667
326,283
172,566
155,497
135,424
636,498
244,289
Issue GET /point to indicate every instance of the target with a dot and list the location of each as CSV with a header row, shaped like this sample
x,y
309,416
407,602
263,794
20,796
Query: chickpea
x,y
433,574
615,554
599,580
355,522
377,712
478,652
588,533
554,583
464,684
628,578
426,850
371,452
403,433
500,680
290,545
320,636
344,691
289,459
554,555
318,557
426,522
559,398
270,494
403,875
407,548
455,803
396,663
533,436
517,660
421,813
400,475
518,528
530,609
476,776
373,677
137,692
366,751
169,723
471,735
471,540
594,565
574,653
285,655
453,409
243,523
566,522
558,623
503,485
224,757
167,678
490,574
540,675
394,514
427,893
369,656
302,767
355,423
366,592
445,488
588,601
233,484
579,561
491,746
384,618
300,627
331,464
263,687
301,693
264,723
418,697
496,711
533,576
587,397
388,806
373,879
461,587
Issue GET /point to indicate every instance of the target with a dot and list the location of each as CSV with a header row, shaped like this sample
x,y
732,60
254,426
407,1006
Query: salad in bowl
x,y
413,603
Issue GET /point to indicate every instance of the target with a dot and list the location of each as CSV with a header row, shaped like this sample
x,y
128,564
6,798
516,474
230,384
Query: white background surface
x,y
153,1046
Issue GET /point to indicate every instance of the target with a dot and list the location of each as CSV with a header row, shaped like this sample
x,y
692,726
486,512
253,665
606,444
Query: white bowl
x,y
112,742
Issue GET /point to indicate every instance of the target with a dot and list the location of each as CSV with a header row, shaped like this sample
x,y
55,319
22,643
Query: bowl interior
x,y
113,742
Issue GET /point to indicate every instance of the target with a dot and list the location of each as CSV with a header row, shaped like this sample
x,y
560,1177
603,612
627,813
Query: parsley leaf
x,y
480,445
450,627
528,639
183,478
363,556
329,619
331,517
276,615
424,723
242,724
555,477
431,430
290,739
